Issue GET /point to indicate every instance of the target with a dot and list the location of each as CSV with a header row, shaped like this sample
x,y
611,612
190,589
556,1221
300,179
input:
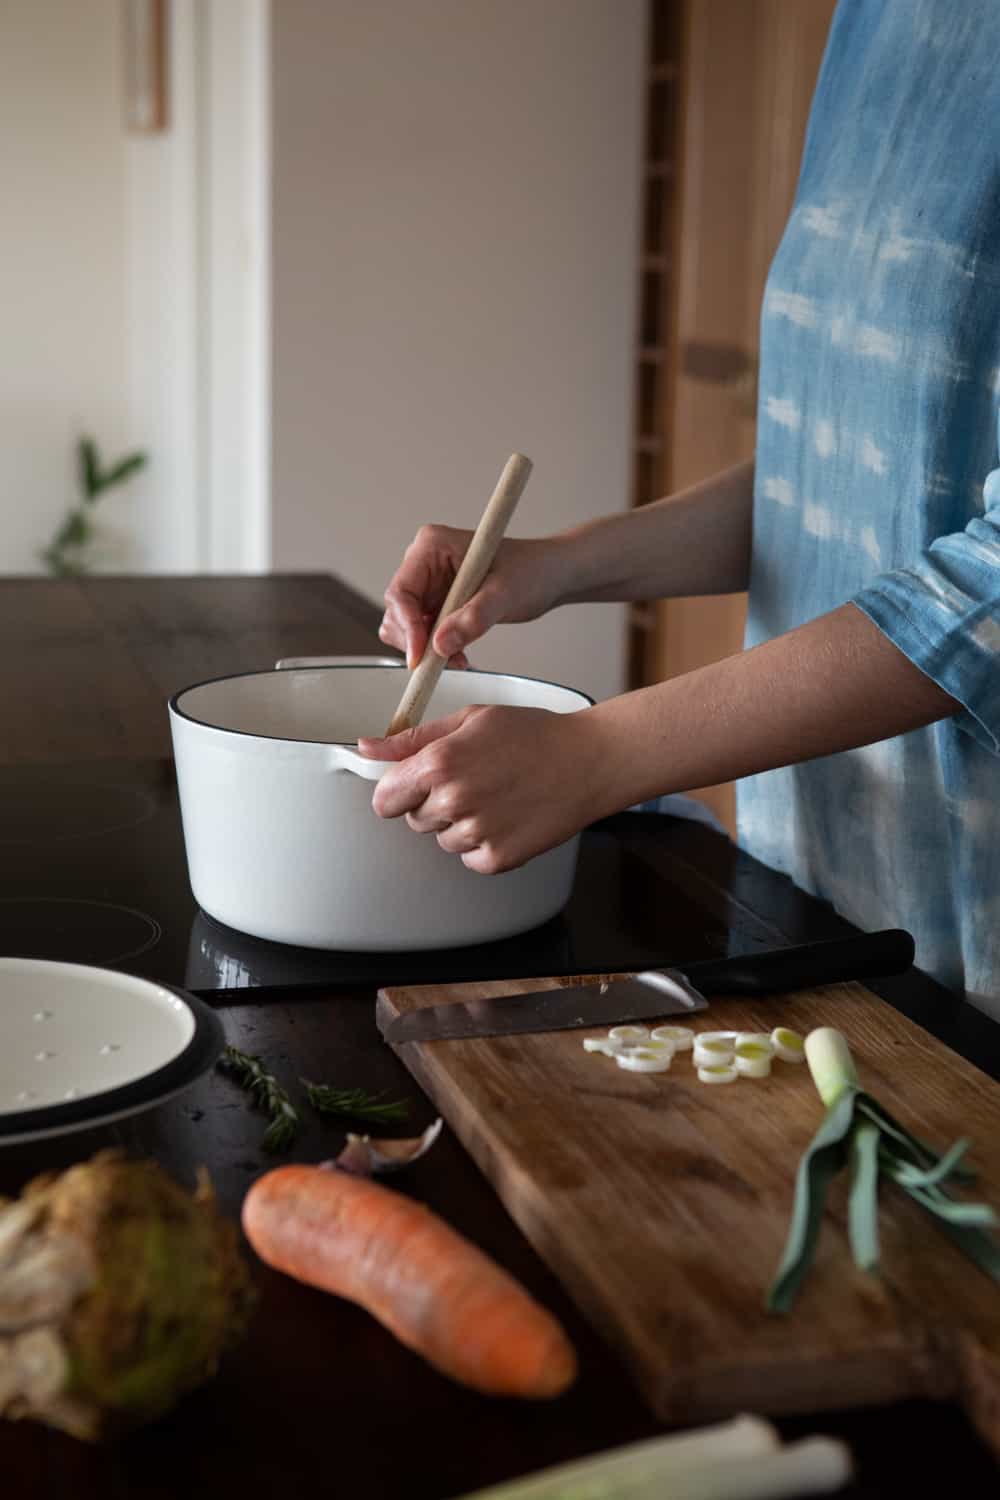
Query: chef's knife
x,y
659,992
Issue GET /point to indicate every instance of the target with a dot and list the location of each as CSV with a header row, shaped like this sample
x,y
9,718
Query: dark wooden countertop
x,y
320,1400
88,663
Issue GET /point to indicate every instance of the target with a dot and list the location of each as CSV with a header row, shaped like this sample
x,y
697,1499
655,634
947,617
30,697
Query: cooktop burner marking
x,y
73,810
74,930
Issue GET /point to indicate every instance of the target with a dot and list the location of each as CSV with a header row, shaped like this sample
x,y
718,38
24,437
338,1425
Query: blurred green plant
x,y
66,554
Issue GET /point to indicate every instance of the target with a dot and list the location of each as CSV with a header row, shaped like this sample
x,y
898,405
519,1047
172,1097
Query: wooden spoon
x,y
472,570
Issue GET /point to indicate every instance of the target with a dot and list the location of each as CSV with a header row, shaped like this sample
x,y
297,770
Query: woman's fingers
x,y
409,742
473,620
420,586
412,639
407,632
527,577
422,822
496,785
419,771
460,837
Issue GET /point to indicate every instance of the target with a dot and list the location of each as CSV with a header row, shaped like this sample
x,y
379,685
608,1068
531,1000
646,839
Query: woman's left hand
x,y
496,785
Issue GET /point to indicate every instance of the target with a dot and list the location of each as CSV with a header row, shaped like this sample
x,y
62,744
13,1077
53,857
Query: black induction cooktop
x,y
92,870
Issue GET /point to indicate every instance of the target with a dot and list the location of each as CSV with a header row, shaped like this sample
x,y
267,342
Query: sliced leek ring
x,y
628,1033
718,1073
753,1065
788,1044
666,1049
758,1039
645,1059
599,1044
710,1050
753,1055
611,1047
682,1037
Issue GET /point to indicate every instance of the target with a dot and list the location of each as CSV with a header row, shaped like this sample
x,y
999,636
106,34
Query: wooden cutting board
x,y
662,1204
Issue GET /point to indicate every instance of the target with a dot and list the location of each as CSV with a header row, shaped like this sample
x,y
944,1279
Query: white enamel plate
x,y
80,1046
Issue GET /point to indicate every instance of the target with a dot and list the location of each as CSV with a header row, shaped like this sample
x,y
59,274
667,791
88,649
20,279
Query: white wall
x,y
454,233
62,259
134,284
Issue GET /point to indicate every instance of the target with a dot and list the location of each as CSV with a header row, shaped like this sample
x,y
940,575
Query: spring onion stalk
x,y
857,1133
740,1460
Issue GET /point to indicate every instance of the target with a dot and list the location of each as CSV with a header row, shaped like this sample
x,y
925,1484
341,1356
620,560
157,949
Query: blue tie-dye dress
x,y
877,476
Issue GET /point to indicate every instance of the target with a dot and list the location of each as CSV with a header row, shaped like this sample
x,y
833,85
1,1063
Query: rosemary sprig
x,y
267,1093
356,1104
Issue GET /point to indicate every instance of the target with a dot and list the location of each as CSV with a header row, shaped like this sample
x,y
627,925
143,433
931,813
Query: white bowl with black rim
x,y
81,1046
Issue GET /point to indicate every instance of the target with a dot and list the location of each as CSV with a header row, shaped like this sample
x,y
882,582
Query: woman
x,y
868,533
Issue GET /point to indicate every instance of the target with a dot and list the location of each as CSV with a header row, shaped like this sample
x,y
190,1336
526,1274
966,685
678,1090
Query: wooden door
x,y
747,72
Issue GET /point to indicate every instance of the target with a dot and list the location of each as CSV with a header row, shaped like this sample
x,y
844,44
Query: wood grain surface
x,y
662,1204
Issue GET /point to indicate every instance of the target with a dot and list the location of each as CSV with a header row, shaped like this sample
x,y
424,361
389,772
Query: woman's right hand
x,y
526,578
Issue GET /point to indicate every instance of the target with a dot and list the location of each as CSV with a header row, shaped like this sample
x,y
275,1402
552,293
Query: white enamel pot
x,y
279,831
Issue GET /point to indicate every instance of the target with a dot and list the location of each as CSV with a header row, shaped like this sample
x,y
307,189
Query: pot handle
x,y
287,662
343,758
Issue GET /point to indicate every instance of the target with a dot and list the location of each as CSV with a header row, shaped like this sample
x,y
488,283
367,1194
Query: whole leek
x,y
738,1460
858,1133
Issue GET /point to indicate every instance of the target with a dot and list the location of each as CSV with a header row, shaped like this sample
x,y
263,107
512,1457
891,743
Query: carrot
x,y
435,1291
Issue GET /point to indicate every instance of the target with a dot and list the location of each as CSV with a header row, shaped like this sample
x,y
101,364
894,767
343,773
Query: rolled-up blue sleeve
x,y
943,612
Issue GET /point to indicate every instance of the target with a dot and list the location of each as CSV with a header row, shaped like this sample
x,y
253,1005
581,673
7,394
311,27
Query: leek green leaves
x,y
859,1134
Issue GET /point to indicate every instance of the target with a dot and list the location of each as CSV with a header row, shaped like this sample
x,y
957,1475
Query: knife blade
x,y
658,992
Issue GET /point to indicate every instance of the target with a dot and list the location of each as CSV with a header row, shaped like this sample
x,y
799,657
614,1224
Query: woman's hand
x,y
526,579
695,542
497,785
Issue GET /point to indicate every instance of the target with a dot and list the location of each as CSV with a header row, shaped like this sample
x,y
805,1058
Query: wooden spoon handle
x,y
473,569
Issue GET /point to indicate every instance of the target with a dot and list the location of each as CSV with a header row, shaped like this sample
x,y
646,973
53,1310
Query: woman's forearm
x,y
694,542
830,685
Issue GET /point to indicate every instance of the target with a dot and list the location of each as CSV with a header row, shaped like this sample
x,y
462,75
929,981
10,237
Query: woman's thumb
x,y
472,621
408,741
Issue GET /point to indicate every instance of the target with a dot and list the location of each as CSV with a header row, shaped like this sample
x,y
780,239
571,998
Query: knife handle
x,y
862,957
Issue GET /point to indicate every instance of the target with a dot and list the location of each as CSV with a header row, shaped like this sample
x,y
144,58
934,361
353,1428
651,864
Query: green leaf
x,y
909,1175
862,1203
122,470
925,1155
90,471
821,1161
972,1241
938,1203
